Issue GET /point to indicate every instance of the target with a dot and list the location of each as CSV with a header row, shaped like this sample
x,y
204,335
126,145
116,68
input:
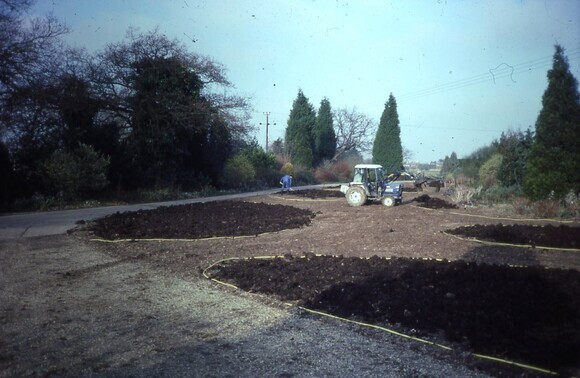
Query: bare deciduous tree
x,y
25,47
114,68
354,131
28,56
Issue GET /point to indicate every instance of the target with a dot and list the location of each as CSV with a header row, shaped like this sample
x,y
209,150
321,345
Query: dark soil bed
x,y
561,236
434,203
530,315
202,220
527,314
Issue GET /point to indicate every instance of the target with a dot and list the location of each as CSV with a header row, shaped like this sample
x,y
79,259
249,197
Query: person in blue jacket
x,y
286,182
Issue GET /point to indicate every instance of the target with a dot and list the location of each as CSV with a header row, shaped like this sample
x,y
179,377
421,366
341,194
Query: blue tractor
x,y
370,184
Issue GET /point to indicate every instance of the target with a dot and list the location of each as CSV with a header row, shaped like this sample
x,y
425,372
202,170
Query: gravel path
x,y
67,309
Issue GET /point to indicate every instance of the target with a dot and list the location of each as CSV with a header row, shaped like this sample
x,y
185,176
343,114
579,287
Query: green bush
x,y
92,169
265,166
260,159
488,171
500,194
287,169
60,175
158,195
70,175
238,172
267,178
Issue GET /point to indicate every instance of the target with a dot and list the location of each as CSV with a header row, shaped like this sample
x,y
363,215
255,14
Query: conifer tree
x,y
323,133
387,148
515,148
299,142
552,167
450,163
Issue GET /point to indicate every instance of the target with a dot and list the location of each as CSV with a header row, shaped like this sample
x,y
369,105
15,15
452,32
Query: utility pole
x,y
267,123
267,114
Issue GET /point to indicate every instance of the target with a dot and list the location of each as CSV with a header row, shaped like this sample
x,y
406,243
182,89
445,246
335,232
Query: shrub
x,y
572,204
267,177
546,208
463,194
464,180
157,195
92,169
501,194
303,177
324,175
260,159
68,175
522,205
61,174
343,170
287,169
488,171
340,171
265,166
238,172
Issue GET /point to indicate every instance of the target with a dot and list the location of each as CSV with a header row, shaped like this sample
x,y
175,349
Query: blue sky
x,y
462,71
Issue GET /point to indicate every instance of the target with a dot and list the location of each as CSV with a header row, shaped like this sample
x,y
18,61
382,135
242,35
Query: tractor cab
x,y
369,175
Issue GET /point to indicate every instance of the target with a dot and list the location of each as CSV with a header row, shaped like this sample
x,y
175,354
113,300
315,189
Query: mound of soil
x,y
202,220
531,315
561,236
434,203
316,193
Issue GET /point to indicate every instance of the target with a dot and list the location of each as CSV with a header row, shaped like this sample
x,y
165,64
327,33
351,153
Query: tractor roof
x,y
370,166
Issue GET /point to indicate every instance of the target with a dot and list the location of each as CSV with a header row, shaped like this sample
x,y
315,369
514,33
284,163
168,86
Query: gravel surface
x,y
68,309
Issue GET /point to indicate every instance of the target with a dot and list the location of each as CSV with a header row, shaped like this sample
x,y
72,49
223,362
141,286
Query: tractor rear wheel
x,y
388,201
356,196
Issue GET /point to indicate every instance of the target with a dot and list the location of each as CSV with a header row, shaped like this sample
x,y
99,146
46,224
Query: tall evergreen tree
x,y
552,166
387,148
323,133
299,142
515,148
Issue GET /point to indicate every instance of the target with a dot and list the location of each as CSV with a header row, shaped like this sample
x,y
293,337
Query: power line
x,y
405,126
501,71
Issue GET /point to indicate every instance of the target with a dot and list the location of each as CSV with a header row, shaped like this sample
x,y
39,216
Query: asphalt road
x,y
59,222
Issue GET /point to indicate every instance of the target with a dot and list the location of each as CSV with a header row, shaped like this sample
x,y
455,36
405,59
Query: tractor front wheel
x,y
356,196
388,201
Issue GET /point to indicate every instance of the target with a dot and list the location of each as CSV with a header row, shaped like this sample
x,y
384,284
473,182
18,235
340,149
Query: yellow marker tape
x,y
513,245
376,327
515,219
503,218
515,364
184,240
